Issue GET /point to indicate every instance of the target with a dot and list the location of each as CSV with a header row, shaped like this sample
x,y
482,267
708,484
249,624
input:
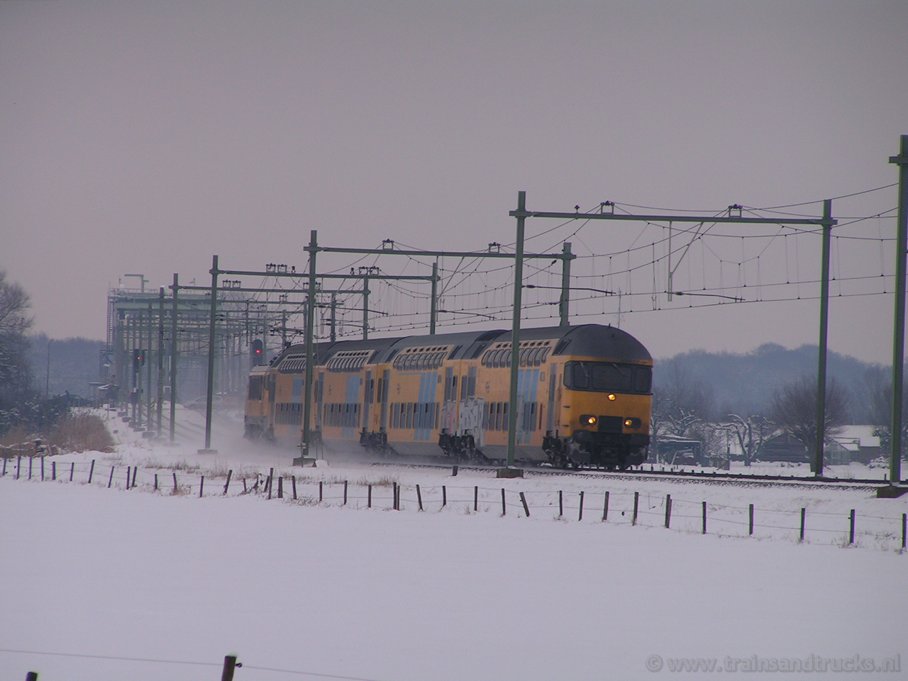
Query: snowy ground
x,y
99,583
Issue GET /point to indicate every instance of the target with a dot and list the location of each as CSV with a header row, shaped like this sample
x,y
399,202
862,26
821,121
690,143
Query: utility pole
x,y
433,318
898,334
305,445
520,214
138,335
148,422
820,443
565,299
212,335
173,356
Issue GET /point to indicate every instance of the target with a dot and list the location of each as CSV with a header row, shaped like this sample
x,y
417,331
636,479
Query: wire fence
x,y
616,507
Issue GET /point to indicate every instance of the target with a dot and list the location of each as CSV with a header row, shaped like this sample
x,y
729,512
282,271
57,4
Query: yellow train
x,y
584,396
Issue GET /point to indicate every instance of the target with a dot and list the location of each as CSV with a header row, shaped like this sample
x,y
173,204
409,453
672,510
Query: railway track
x,y
641,473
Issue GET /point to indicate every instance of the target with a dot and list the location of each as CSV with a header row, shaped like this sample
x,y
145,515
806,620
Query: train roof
x,y
592,340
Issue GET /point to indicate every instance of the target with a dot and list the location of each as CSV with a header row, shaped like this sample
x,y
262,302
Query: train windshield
x,y
609,377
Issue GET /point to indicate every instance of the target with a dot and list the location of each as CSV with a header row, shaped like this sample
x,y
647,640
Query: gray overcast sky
x,y
146,136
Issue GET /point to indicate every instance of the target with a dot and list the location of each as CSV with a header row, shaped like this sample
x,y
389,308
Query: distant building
x,y
860,443
783,447
848,444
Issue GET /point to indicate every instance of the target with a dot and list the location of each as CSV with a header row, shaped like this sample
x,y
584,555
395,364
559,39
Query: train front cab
x,y
605,413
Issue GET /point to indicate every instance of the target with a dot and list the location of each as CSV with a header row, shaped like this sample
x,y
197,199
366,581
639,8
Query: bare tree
x,y
751,432
880,388
680,404
794,409
15,377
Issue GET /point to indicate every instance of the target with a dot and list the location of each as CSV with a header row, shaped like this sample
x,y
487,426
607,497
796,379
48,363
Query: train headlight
x,y
612,397
632,422
589,420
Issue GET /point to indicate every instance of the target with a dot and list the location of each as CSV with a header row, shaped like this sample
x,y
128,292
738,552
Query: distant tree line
x,y
711,397
23,407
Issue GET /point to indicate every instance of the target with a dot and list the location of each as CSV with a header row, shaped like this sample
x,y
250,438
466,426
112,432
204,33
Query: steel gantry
x,y
606,212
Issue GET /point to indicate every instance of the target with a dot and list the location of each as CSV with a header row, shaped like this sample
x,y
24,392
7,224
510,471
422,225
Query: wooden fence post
x,y
110,479
135,471
504,508
668,511
293,482
227,484
904,529
345,492
31,463
369,498
580,512
560,504
605,508
444,496
851,528
268,482
128,469
53,470
750,523
175,488
280,487
454,471
42,469
803,518
4,467
704,517
91,471
321,493
155,482
418,496
18,465
475,498
526,508
201,486
72,469
31,676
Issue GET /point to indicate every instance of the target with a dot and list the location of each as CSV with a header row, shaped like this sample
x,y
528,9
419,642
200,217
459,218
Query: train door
x,y
471,409
367,401
449,403
551,425
319,398
383,398
270,388
470,421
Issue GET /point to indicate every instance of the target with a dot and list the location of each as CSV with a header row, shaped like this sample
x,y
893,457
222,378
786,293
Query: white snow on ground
x,y
167,580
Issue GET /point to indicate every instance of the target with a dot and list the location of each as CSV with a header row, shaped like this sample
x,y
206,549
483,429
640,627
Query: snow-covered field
x,y
99,583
